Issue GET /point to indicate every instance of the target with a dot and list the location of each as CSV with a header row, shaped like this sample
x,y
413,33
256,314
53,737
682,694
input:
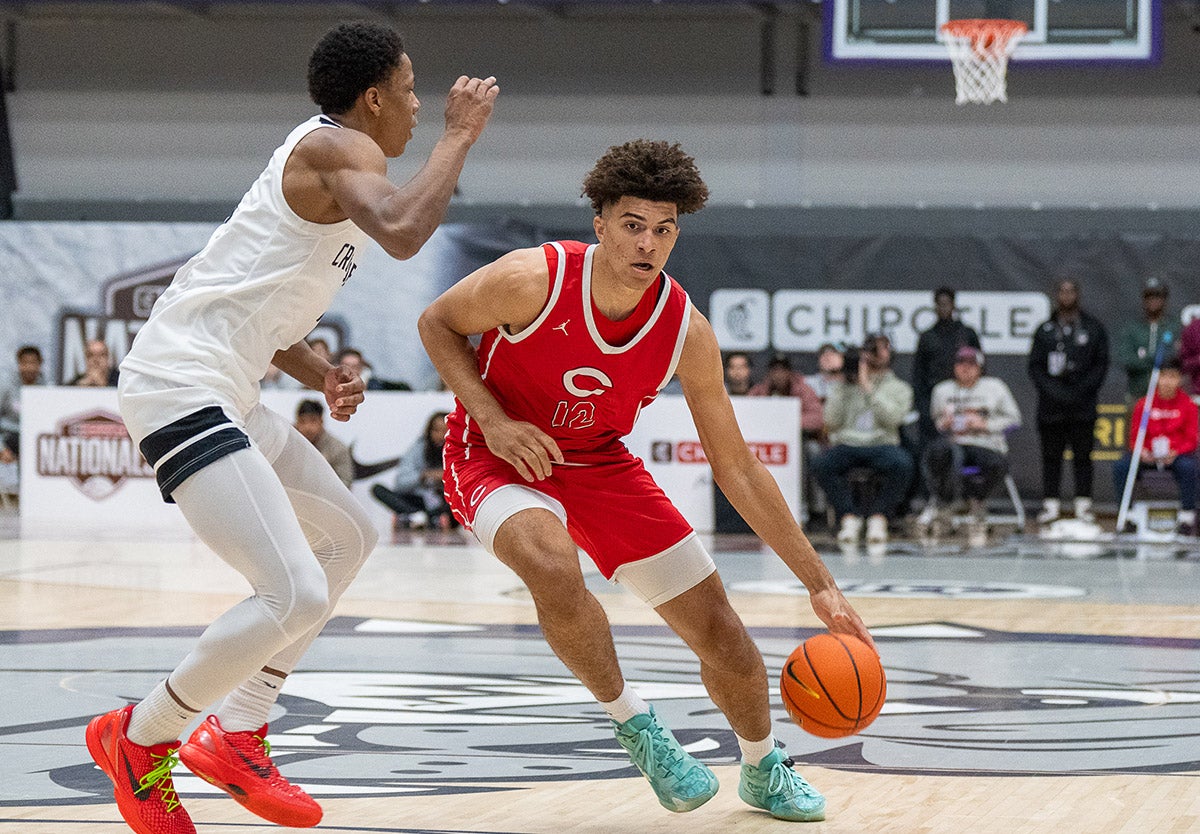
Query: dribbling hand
x,y
839,617
343,392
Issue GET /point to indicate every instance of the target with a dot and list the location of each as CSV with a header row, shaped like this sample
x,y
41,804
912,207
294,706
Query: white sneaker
x,y
1051,510
925,522
851,527
877,531
1083,510
977,534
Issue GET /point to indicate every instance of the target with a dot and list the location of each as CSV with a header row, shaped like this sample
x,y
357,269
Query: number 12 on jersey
x,y
577,416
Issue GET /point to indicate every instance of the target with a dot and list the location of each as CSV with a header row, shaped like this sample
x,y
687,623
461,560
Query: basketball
x,y
833,685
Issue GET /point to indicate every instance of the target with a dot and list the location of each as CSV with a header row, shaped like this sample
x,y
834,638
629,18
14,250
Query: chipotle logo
x,y
94,451
690,451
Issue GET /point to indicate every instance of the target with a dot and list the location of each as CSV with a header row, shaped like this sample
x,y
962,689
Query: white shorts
x,y
180,429
654,580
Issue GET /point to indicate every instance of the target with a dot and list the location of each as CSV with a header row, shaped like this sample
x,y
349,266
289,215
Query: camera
x,y
854,356
851,359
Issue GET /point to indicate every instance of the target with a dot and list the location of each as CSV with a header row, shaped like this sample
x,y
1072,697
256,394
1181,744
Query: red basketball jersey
x,y
560,375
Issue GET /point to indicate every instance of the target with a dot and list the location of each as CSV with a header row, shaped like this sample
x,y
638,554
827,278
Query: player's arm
x,y
509,292
353,170
343,387
747,483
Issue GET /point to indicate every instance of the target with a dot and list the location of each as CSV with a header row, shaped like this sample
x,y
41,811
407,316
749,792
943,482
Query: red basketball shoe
x,y
238,764
141,776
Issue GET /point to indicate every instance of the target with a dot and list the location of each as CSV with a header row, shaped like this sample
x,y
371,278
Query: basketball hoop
x,y
979,50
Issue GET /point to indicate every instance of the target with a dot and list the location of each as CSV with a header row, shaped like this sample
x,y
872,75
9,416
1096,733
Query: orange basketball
x,y
833,685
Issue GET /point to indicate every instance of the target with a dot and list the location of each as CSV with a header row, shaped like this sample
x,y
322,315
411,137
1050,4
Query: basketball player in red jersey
x,y
576,340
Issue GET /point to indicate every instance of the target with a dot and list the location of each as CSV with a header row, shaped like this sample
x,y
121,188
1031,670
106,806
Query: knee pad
x,y
306,605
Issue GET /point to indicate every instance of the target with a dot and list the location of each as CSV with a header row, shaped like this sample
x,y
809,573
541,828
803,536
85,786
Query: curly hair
x,y
348,60
647,170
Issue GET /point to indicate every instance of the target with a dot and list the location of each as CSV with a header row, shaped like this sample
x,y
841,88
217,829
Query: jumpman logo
x,y
563,327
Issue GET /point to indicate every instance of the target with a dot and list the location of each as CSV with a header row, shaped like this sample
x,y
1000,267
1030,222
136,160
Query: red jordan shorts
x,y
613,510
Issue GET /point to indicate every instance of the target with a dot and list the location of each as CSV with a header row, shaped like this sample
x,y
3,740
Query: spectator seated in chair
x,y
310,422
969,457
99,371
1169,443
28,372
863,416
353,359
418,497
10,481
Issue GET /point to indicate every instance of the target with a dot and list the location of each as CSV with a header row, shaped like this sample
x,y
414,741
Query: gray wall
x,y
154,103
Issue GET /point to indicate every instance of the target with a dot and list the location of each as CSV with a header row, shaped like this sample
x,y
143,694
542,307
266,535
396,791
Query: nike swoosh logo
x,y
261,771
370,470
801,683
140,792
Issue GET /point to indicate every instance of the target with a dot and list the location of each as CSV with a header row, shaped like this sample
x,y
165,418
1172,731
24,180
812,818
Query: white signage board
x,y
666,439
803,320
80,474
79,471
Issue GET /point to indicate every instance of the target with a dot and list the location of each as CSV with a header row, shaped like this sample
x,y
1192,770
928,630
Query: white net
x,y
979,51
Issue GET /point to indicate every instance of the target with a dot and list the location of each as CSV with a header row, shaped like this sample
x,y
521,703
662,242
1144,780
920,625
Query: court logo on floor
x,y
918,589
401,708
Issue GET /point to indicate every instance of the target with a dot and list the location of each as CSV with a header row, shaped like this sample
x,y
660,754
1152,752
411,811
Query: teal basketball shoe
x,y
681,782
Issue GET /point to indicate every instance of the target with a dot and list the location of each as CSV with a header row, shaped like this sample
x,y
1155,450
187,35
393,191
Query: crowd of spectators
x,y
873,444
882,444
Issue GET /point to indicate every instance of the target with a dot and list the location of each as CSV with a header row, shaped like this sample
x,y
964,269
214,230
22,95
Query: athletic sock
x,y
247,707
627,705
753,752
159,718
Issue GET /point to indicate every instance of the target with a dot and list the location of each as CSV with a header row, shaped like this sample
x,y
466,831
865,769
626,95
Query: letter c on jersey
x,y
597,377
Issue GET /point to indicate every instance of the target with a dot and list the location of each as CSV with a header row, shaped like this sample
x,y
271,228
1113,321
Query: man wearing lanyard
x,y
1068,362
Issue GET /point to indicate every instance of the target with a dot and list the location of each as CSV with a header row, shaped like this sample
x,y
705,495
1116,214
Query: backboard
x,y
1065,31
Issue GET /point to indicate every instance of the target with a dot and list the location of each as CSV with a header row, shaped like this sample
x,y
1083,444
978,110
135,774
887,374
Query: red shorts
x,y
614,510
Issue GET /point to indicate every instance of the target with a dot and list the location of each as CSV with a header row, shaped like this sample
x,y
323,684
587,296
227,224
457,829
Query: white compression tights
x,y
297,534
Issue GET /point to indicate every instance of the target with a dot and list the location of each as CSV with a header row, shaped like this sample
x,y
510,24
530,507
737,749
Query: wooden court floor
x,y
1030,690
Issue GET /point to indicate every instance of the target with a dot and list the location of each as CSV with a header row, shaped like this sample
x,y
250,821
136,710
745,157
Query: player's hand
x,y
343,392
529,449
833,610
469,105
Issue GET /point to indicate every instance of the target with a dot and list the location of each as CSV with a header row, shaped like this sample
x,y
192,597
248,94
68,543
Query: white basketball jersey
x,y
259,285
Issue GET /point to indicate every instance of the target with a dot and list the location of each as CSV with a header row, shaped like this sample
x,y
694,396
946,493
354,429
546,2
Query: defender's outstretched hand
x,y
469,105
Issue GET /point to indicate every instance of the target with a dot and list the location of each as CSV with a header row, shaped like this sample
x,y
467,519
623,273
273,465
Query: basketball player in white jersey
x,y
576,340
249,484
